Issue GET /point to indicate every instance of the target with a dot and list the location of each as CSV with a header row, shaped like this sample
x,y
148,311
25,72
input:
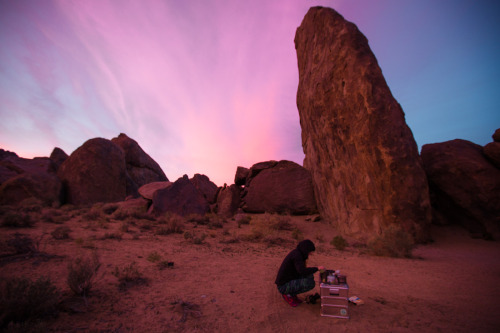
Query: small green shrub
x,y
394,242
81,274
339,243
22,300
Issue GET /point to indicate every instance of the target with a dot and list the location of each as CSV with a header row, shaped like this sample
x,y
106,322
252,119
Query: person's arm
x,y
300,266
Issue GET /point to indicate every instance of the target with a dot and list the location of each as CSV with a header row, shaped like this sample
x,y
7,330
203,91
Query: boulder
x,y
43,186
228,200
141,168
181,198
496,135
364,161
492,152
147,191
207,188
58,156
279,187
241,176
95,172
464,186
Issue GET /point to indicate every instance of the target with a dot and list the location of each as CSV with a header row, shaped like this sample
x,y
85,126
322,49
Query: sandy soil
x,y
451,286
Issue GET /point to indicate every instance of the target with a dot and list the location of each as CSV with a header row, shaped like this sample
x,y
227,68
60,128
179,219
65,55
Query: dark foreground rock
x,y
464,186
364,161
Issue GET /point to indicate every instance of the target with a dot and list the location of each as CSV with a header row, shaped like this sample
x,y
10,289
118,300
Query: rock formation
x,y
207,188
58,156
181,198
492,149
147,191
228,200
364,161
23,178
278,187
95,172
464,186
140,166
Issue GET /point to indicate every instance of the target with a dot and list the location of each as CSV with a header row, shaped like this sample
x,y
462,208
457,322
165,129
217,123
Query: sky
x,y
205,86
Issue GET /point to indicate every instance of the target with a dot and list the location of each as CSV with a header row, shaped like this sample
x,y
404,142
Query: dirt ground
x,y
225,281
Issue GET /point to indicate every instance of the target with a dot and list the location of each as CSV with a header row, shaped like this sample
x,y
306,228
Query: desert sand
x,y
450,285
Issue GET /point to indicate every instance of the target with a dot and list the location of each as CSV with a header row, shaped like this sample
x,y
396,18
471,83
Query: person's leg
x,y
297,286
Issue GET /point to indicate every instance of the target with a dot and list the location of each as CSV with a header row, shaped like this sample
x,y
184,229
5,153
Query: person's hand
x,y
321,268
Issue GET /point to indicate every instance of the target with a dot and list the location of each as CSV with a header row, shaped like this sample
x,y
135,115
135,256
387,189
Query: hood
x,y
305,247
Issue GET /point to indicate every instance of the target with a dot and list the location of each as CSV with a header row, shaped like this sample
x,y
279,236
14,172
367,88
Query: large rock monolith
x,y
364,161
95,172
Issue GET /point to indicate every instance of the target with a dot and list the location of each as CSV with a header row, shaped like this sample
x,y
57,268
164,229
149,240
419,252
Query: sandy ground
x,y
451,286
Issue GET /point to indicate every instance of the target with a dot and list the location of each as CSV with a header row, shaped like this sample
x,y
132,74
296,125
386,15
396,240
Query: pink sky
x,y
206,86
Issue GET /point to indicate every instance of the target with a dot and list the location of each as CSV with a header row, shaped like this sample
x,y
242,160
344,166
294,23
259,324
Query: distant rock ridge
x,y
364,161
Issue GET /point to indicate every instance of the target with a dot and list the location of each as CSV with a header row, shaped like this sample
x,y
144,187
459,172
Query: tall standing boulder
x,y
364,161
95,172
58,156
140,166
465,186
206,187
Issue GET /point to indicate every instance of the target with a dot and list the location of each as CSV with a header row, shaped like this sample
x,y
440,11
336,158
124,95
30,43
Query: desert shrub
x,y
82,273
276,240
17,220
22,300
124,227
112,235
297,234
198,219
61,233
23,244
154,256
254,236
85,243
165,264
339,243
394,242
243,220
141,214
109,208
120,215
31,205
194,237
170,224
279,222
128,276
92,215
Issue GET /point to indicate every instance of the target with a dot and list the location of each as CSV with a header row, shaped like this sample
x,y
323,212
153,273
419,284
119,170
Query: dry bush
x,y
61,233
269,225
243,220
109,208
170,224
22,300
198,219
55,216
154,257
124,227
13,219
394,242
93,214
82,273
339,243
112,235
128,276
23,244
297,234
194,238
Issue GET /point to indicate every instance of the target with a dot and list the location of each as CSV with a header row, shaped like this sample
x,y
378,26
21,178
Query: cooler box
x,y
334,300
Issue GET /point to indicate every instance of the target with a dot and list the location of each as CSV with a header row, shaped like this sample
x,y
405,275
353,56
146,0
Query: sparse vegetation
x,y
128,276
14,219
154,257
23,244
112,235
394,242
109,208
170,224
339,243
82,273
61,233
24,301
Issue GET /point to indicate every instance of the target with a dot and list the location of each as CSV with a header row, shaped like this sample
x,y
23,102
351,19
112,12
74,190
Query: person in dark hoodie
x,y
294,277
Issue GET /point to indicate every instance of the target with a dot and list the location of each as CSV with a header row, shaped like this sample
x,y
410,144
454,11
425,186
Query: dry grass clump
x,y
112,235
23,244
154,257
194,238
82,273
339,243
128,276
61,233
109,208
268,226
14,219
56,216
394,242
170,224
25,301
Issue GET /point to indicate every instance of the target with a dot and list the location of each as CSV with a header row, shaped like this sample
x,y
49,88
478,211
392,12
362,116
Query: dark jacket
x,y
294,264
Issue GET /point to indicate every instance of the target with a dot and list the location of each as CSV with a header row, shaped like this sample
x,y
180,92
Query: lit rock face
x,y
364,161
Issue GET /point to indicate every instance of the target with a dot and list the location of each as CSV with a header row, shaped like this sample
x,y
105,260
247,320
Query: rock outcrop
x,y
278,187
23,178
141,168
364,161
181,198
228,200
58,156
95,172
147,191
464,186
206,187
